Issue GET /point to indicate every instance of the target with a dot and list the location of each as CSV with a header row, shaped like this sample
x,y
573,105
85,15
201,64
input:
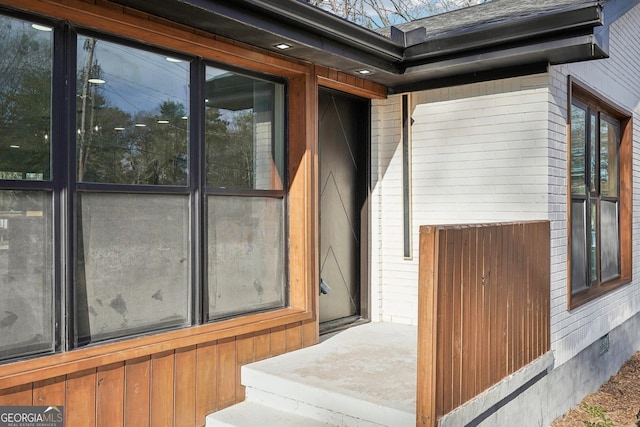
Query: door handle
x,y
324,287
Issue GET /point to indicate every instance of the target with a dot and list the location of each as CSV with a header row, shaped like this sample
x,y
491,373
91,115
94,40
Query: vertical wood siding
x,y
483,311
172,388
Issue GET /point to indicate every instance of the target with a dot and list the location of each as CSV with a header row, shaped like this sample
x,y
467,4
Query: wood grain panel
x,y
162,389
137,392
50,392
244,355
294,337
468,292
17,396
426,393
110,395
262,345
278,340
310,333
226,373
206,381
185,387
457,297
80,405
484,299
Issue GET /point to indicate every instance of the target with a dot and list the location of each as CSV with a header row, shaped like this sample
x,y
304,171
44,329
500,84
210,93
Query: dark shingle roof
x,y
487,14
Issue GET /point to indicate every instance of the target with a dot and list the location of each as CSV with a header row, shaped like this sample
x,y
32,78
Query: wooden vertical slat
x,y
137,392
529,307
80,405
17,396
110,395
162,388
294,337
474,313
185,387
426,411
206,381
456,313
468,293
546,277
491,285
226,378
446,321
490,276
310,333
262,345
517,298
502,294
496,350
50,392
244,355
278,340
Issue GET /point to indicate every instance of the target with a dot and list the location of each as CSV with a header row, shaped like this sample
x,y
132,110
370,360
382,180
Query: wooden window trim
x,y
590,97
44,367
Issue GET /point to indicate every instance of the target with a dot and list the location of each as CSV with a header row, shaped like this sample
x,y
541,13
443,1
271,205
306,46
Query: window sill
x,y
49,366
591,294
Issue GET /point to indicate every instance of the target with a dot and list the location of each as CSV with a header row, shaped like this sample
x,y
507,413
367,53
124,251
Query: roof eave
x,y
530,58
324,39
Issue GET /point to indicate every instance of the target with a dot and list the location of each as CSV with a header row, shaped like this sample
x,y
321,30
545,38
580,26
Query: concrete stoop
x,y
364,376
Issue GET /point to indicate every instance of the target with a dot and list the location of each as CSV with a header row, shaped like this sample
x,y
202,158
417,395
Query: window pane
x,y
26,273
244,131
132,115
25,100
578,247
246,254
593,242
609,241
609,141
133,264
593,155
578,145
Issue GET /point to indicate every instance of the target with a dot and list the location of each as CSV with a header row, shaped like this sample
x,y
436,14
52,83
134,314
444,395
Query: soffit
x,y
506,36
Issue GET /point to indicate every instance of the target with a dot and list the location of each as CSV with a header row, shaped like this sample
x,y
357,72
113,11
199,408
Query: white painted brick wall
x,y
497,151
616,78
478,154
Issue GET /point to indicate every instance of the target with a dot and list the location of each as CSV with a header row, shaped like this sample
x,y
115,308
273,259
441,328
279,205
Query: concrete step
x,y
250,414
364,376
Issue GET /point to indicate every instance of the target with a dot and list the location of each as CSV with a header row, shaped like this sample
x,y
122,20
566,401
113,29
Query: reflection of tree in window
x,y
25,86
134,146
230,149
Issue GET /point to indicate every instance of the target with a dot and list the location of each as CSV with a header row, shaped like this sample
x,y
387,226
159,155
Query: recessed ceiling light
x,y
163,122
282,46
118,128
140,125
184,117
14,146
41,27
364,71
96,81
176,60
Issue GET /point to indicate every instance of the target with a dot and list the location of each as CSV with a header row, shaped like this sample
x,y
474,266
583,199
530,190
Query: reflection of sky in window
x,y
136,80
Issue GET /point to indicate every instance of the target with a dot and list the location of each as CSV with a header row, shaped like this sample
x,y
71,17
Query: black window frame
x,y
65,189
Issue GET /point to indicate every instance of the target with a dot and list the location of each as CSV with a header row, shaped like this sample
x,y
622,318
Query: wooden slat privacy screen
x,y
483,312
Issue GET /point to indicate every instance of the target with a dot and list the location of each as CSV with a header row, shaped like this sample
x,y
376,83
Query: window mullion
x,y
197,193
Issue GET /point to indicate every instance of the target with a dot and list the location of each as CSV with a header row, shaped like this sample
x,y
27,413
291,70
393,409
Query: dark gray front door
x,y
343,137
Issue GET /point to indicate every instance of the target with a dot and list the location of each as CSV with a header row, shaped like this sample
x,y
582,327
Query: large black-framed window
x,y
27,269
146,194
599,195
